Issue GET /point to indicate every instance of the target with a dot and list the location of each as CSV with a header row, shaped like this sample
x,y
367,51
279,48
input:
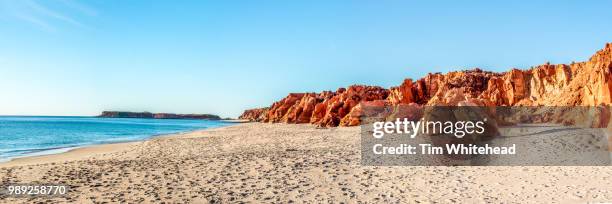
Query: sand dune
x,y
287,163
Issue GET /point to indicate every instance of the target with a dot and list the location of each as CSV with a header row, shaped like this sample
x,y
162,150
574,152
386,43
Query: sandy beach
x,y
261,162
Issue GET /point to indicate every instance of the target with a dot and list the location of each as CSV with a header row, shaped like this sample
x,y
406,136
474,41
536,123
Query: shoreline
x,y
75,153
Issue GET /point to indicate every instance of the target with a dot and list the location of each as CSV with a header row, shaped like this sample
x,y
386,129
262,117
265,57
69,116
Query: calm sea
x,y
37,135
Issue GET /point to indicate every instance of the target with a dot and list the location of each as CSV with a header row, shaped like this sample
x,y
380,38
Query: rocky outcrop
x,y
586,83
341,105
325,109
123,114
256,114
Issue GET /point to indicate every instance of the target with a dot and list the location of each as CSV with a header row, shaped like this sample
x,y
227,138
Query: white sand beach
x,y
285,163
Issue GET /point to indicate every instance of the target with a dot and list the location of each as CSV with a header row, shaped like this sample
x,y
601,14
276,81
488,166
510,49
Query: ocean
x,y
38,135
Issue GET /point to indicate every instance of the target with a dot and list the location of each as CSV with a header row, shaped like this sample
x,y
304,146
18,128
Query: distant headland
x,y
123,114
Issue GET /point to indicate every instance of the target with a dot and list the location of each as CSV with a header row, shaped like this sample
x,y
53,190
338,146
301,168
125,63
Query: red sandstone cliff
x,y
578,84
256,114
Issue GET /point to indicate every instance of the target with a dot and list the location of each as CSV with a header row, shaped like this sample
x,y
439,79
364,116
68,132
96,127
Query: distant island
x,y
123,114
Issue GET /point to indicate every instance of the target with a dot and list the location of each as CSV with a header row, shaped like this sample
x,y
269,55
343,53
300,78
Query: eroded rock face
x,y
578,84
256,114
353,118
278,111
324,109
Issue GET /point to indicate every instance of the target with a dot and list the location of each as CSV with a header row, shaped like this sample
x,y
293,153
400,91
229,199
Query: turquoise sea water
x,y
36,135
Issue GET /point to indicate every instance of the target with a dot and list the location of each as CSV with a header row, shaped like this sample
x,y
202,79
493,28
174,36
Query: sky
x,y
70,57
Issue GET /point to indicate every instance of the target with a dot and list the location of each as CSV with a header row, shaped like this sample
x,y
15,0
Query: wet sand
x,y
71,155
286,163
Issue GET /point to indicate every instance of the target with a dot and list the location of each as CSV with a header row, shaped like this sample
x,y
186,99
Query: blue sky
x,y
68,57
